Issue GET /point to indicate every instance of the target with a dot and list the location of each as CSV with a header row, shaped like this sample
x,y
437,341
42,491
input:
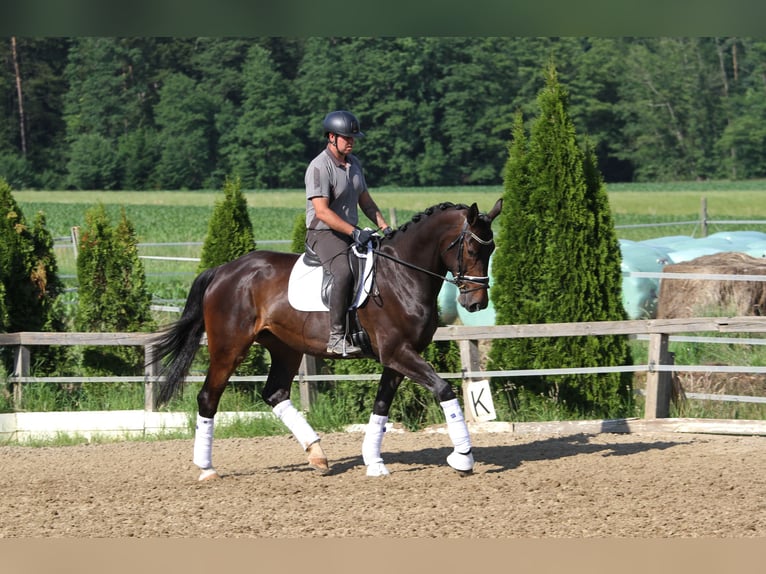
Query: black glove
x,y
387,231
361,236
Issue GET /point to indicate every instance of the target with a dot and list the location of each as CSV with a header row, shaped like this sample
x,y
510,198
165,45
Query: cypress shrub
x,y
29,283
230,236
113,295
229,231
558,260
298,239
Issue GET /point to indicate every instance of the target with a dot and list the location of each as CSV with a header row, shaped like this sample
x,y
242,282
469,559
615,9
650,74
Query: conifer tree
x,y
112,292
229,231
29,281
558,261
229,236
298,241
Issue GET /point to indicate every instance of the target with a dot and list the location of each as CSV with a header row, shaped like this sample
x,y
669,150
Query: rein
x,y
459,279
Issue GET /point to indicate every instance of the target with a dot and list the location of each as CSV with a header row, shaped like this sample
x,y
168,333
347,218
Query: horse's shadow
x,y
493,459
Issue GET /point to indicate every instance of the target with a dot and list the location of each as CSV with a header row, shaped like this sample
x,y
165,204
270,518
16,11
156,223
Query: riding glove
x,y
361,236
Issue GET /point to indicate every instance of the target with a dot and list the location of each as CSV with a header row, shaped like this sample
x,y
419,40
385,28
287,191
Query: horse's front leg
x,y
412,365
376,427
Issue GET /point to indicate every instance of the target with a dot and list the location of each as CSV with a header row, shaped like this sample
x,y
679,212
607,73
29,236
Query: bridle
x,y
459,279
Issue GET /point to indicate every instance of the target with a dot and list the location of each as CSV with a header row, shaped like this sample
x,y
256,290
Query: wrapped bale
x,y
705,297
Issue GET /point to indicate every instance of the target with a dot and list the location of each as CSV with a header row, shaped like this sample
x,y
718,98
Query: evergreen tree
x,y
265,148
113,296
558,261
298,242
229,236
185,117
28,268
229,231
29,281
138,152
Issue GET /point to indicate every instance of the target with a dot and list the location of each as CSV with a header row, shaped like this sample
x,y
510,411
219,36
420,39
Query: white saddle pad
x,y
304,288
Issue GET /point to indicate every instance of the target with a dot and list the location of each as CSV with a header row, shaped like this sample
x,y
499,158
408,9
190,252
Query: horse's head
x,y
467,257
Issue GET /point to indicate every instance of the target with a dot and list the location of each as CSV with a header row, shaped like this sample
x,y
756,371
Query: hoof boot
x,y
461,462
377,469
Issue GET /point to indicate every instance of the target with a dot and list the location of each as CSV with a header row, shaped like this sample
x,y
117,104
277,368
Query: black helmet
x,y
342,123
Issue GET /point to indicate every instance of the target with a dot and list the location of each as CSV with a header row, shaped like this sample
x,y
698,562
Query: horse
x,y
245,301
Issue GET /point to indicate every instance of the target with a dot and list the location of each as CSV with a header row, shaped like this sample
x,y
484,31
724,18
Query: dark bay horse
x,y
245,301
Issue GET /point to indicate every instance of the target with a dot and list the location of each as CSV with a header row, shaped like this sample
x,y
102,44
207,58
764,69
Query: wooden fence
x,y
658,368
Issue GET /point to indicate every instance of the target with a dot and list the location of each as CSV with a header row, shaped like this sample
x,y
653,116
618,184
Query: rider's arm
x,y
329,217
370,209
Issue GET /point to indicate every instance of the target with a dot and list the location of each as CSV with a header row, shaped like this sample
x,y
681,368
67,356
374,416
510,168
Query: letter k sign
x,y
480,401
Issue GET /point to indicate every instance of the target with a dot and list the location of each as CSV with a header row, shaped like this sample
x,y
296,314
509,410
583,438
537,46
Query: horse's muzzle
x,y
474,301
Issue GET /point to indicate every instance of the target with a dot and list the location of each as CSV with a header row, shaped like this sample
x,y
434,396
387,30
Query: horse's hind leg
x,y
376,427
223,362
276,393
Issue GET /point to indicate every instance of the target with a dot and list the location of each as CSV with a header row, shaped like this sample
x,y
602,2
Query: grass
x,y
182,217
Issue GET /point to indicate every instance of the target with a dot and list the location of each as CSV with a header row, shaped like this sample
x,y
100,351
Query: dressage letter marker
x,y
480,401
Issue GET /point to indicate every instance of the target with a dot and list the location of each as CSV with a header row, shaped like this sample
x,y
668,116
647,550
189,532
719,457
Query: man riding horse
x,y
335,186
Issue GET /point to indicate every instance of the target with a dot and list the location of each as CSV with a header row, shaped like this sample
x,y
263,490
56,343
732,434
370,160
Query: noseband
x,y
461,278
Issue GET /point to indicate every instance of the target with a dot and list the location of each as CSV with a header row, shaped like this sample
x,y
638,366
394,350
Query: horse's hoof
x,y
377,469
318,459
462,463
208,474
320,465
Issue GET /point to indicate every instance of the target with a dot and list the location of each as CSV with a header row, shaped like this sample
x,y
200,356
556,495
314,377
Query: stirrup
x,y
342,346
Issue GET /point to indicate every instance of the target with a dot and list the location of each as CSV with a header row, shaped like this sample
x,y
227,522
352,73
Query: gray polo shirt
x,y
341,183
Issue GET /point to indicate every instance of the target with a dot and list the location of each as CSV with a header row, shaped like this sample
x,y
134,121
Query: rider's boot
x,y
339,343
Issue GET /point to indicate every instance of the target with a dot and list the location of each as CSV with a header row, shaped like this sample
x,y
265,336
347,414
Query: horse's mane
x,y
429,211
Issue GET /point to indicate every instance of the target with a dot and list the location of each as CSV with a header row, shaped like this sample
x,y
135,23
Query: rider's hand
x,y
361,236
387,231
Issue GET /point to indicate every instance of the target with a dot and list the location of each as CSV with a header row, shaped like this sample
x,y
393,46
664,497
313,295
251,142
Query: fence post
x,y
703,217
307,388
151,370
658,383
75,240
392,218
20,369
470,362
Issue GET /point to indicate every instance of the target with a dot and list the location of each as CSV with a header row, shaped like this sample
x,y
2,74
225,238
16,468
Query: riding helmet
x,y
342,123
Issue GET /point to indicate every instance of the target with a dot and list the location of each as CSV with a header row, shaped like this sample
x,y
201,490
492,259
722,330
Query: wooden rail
x,y
659,366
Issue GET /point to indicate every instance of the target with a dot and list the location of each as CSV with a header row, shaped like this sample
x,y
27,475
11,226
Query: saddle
x,y
309,286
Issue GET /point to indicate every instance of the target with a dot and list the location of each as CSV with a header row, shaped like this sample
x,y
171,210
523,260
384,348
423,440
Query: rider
x,y
335,186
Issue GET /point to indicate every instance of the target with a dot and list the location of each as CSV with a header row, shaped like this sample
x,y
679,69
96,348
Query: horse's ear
x,y
496,210
473,214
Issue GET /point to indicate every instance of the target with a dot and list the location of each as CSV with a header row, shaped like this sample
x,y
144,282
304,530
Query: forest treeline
x,y
186,113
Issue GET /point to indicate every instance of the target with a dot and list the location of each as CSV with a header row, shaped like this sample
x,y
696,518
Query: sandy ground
x,y
524,486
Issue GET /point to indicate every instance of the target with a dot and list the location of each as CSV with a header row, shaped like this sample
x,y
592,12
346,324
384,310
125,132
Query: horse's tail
x,y
181,340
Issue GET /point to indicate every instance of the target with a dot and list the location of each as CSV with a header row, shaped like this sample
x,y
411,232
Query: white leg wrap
x,y
297,423
373,438
203,443
456,427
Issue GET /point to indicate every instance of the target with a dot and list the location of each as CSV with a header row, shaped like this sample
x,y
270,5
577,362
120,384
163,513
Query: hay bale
x,y
704,297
